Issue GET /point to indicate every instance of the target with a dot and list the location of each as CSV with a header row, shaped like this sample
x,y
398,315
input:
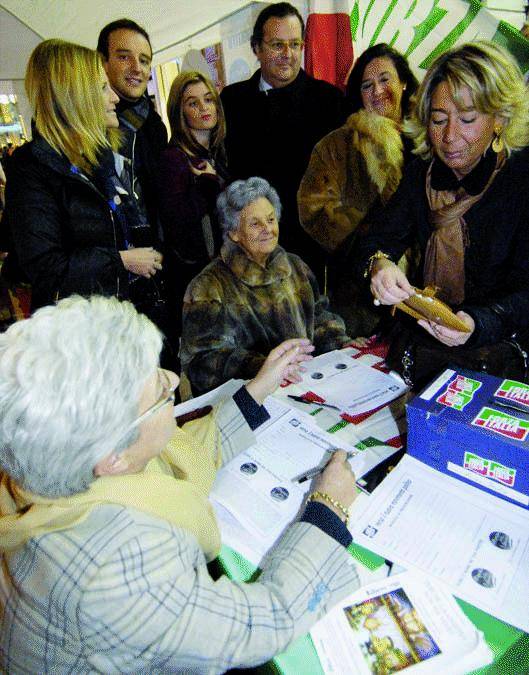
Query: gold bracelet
x,y
327,498
378,255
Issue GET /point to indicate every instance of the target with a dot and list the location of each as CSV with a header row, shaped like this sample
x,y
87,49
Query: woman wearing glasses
x,y
105,524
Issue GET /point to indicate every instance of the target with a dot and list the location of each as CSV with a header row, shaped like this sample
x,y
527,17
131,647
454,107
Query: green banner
x,y
422,29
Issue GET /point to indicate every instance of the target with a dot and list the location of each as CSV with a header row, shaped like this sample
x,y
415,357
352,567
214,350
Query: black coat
x,y
272,134
496,259
62,228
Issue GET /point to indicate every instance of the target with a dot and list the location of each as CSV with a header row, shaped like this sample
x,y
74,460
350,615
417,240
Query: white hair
x,y
239,194
71,377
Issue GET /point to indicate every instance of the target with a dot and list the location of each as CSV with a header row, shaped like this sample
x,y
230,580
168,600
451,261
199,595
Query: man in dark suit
x,y
275,118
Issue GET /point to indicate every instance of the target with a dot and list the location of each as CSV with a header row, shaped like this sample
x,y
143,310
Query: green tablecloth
x,y
509,645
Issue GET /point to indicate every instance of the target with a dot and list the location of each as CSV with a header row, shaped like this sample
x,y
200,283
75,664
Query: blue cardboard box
x,y
474,427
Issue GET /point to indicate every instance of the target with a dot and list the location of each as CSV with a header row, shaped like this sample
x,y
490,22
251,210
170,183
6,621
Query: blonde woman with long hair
x,y
73,227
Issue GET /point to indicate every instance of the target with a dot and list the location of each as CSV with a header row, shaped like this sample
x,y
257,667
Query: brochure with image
x,y
404,622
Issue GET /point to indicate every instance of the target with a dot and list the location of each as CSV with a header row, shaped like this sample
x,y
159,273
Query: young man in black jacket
x,y
127,55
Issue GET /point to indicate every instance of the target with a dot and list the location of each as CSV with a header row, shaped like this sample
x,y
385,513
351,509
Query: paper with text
x,y
474,542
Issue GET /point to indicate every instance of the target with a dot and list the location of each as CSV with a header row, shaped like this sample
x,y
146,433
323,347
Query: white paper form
x,y
359,388
476,543
350,384
388,422
267,471
262,501
294,444
405,622
259,487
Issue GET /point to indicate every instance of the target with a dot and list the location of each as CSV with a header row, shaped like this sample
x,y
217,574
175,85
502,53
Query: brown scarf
x,y
444,261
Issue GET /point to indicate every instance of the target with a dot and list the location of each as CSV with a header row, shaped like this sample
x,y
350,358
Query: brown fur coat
x,y
349,169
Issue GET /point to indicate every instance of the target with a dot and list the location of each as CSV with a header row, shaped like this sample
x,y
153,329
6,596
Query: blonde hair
x,y
495,83
63,84
181,135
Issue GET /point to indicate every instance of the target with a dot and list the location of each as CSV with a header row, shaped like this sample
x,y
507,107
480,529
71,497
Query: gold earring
x,y
497,143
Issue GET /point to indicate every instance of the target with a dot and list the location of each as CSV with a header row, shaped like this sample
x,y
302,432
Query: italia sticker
x,y
489,469
502,424
459,392
513,391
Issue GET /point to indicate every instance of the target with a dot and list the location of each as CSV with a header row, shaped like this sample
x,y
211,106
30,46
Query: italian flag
x,y
329,46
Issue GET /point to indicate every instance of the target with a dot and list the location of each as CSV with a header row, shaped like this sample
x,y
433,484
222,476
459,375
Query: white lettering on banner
x,y
377,23
404,26
375,14
483,27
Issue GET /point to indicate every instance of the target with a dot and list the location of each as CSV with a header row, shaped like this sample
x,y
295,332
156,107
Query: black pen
x,y
300,399
311,473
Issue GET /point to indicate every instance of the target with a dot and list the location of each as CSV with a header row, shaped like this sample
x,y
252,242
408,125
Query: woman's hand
x,y
338,481
203,167
449,336
283,363
145,261
389,284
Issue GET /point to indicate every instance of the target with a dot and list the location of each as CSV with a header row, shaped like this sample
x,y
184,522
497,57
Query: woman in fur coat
x,y
355,169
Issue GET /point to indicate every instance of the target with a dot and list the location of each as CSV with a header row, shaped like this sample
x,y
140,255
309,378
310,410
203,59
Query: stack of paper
x,y
275,475
474,542
407,621
356,387
269,476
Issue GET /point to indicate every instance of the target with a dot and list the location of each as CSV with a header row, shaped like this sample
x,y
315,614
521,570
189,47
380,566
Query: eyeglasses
x,y
278,46
166,396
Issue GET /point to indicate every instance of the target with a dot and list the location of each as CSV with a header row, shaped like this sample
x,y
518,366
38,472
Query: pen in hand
x,y
312,473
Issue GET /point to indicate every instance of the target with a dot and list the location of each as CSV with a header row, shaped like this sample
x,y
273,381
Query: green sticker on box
x,y
489,469
502,423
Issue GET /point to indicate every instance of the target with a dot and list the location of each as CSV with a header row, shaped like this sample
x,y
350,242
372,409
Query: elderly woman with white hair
x,y
252,296
105,523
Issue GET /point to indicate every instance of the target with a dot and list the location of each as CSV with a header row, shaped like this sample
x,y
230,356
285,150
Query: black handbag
x,y
418,357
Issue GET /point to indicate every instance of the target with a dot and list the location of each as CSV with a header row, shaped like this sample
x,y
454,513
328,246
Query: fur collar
x,y
277,267
379,141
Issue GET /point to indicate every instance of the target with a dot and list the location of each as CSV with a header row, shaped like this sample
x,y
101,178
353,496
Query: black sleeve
x,y
42,231
323,517
253,413
394,227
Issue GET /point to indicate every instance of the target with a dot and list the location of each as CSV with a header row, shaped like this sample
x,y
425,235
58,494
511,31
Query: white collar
x,y
263,85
